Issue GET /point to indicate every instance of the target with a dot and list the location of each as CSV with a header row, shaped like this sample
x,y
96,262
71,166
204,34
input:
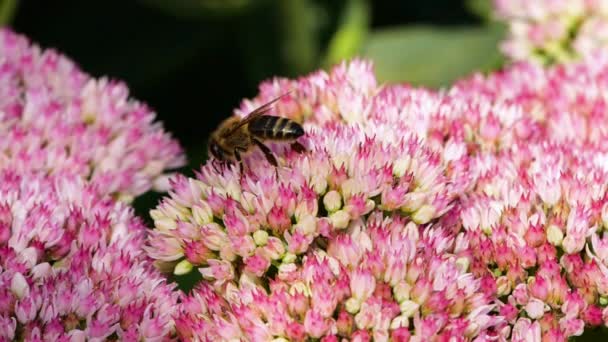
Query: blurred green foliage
x,y
350,34
482,8
7,11
432,56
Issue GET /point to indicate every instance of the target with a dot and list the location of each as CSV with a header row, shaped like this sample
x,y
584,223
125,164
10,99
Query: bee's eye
x,y
215,151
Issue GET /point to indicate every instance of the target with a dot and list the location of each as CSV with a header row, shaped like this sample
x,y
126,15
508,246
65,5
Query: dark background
x,y
194,68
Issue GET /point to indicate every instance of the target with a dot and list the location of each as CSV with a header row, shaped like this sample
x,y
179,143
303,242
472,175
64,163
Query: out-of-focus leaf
x,y
592,335
201,8
433,56
188,281
299,29
7,11
481,8
351,32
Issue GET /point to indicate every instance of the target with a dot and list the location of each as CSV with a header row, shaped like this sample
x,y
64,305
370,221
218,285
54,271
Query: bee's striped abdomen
x,y
275,127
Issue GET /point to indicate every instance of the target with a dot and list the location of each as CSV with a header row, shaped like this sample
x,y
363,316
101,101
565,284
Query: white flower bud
x,y
424,214
182,267
340,219
165,224
202,214
555,235
332,201
401,166
408,308
307,225
260,237
289,258
352,305
401,321
19,286
401,291
463,264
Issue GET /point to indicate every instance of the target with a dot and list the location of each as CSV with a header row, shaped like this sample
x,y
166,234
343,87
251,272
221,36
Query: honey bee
x,y
236,136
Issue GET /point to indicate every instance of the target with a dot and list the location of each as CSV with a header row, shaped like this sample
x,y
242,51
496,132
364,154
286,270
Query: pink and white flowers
x,y
380,279
471,214
54,118
468,212
549,31
72,265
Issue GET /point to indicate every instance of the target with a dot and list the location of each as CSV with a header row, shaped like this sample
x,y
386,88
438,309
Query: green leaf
x,y
481,8
299,35
433,56
592,334
351,33
7,11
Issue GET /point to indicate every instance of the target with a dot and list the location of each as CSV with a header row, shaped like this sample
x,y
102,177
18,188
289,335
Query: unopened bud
x,y
183,267
332,201
424,214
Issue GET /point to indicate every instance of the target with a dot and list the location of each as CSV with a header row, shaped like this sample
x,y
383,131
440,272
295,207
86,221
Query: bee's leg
x,y
214,162
267,152
296,146
237,155
269,156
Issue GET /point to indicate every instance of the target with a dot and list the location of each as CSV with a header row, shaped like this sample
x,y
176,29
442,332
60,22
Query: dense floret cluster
x,y
72,266
471,213
550,31
55,118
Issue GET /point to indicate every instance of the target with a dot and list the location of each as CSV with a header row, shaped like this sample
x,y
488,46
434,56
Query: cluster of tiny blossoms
x,y
55,118
72,266
231,222
474,213
549,31
378,279
563,104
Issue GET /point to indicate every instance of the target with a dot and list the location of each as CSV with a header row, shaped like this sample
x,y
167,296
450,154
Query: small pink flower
x,y
219,270
577,230
525,330
362,284
61,120
593,315
315,324
256,264
535,308
573,305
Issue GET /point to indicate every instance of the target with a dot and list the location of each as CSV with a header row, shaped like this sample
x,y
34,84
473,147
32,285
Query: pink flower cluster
x,y
72,262
72,266
54,118
379,279
549,31
473,213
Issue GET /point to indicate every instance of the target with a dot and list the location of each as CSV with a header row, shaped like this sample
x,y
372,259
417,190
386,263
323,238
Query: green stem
x,y
299,39
351,33
8,8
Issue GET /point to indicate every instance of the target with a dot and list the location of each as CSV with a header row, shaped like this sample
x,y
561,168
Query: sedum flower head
x,y
360,223
56,119
402,193
228,223
561,104
72,265
548,31
382,279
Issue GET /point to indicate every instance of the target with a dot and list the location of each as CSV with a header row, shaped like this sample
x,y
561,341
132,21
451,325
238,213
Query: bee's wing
x,y
256,113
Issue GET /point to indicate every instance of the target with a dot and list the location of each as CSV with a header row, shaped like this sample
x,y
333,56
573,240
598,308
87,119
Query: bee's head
x,y
215,150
